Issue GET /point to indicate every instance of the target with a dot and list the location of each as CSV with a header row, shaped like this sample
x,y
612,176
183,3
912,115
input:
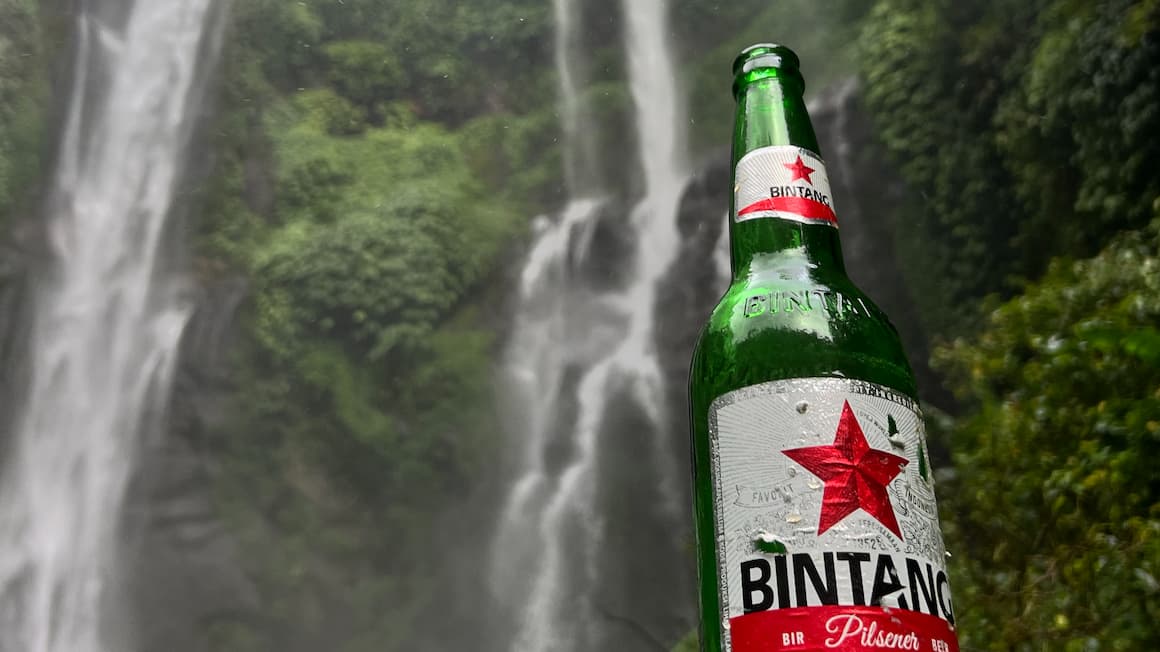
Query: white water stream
x,y
107,317
574,348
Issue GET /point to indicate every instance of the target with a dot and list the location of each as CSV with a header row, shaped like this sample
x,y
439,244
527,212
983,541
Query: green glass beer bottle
x,y
814,503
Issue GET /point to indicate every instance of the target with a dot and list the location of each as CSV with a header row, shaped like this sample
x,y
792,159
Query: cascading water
x,y
575,353
660,128
107,316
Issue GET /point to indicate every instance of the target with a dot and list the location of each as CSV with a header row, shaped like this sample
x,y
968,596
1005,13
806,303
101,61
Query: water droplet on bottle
x,y
725,624
793,518
814,484
791,472
765,542
947,553
802,406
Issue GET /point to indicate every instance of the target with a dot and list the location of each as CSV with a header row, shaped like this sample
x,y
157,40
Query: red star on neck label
x,y
856,475
800,171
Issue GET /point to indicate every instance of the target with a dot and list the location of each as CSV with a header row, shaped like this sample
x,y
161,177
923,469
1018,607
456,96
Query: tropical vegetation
x,y
371,171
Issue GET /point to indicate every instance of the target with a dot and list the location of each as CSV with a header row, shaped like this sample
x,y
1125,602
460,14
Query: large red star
x,y
800,171
855,475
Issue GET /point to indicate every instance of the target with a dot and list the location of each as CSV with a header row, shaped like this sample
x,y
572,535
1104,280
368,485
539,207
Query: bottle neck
x,y
771,130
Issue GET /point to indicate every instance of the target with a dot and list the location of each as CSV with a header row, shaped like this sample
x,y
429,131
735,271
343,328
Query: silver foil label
x,y
824,499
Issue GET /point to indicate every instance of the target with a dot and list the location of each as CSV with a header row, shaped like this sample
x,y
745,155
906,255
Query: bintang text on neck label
x,y
783,182
827,528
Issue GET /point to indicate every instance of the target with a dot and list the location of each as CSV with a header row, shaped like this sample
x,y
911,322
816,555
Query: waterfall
x,y
580,167
577,355
108,311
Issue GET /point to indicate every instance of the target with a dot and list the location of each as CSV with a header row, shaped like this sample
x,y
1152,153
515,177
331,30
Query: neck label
x,y
783,182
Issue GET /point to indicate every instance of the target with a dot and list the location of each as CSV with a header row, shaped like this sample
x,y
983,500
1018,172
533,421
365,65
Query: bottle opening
x,y
763,61
765,55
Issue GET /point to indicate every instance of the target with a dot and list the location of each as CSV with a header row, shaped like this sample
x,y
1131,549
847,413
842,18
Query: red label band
x,y
847,629
806,208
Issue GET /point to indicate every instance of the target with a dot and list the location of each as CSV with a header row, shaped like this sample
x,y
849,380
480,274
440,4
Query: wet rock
x,y
185,576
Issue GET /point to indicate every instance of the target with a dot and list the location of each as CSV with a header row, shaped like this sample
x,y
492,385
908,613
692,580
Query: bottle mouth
x,y
765,55
765,60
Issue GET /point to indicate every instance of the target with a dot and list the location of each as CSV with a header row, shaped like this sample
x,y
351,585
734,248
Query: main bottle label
x,y
783,182
827,531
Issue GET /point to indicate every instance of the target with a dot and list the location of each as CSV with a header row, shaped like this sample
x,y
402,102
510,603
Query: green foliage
x,y
277,43
1017,149
365,72
516,156
23,93
450,59
376,280
334,475
331,113
917,56
363,405
384,237
1054,508
1023,150
1079,131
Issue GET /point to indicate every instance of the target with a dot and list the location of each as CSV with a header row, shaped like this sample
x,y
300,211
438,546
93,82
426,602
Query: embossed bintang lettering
x,y
805,300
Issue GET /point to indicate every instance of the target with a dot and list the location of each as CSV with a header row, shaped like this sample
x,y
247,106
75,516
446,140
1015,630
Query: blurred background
x,y
363,325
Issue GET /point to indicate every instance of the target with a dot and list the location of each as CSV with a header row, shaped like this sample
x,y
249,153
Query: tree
x,y
1053,510
1017,149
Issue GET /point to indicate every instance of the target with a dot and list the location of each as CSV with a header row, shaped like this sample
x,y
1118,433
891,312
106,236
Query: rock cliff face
x,y
187,581
185,577
13,266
